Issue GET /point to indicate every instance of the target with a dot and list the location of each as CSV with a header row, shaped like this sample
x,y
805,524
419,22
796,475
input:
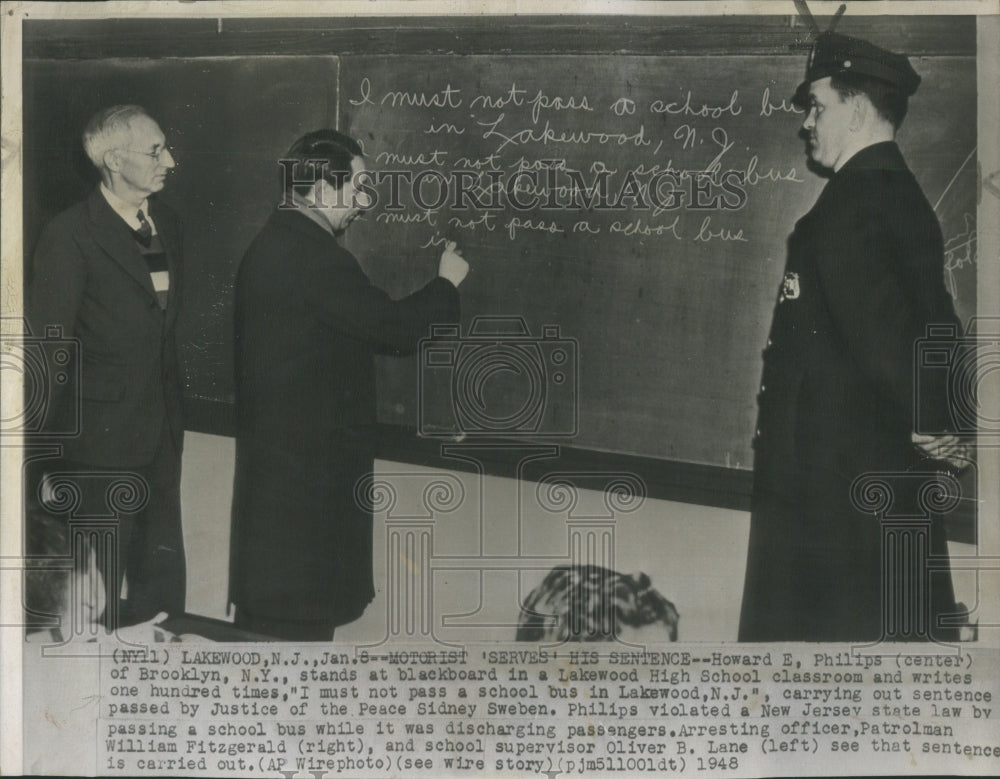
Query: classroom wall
x,y
694,555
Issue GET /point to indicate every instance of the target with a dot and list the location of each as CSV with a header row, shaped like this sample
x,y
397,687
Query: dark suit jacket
x,y
90,280
308,326
863,279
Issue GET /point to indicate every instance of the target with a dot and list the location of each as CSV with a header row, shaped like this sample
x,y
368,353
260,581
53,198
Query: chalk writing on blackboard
x,y
956,213
959,252
641,203
528,173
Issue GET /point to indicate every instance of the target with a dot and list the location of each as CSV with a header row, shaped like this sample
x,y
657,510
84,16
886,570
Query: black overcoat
x,y
308,326
863,280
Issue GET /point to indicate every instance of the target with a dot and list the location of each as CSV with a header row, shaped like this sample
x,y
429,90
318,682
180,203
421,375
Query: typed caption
x,y
304,711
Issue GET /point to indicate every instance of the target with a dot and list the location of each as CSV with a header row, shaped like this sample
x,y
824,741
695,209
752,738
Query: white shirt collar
x,y
126,211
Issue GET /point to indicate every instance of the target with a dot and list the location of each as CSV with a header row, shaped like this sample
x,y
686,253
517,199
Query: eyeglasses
x,y
156,155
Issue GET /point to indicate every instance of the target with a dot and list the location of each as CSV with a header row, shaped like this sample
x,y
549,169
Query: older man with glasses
x,y
107,272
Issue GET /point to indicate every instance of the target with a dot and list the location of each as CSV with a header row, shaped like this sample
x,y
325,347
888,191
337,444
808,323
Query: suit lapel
x,y
111,232
166,229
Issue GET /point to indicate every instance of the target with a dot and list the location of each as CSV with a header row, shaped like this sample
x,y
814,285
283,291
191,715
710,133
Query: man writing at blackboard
x,y
863,280
308,326
107,272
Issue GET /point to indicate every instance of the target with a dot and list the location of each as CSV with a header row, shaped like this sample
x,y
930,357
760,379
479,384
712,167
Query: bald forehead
x,y
143,134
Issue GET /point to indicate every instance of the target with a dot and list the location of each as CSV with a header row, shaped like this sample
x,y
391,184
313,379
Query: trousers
x,y
147,546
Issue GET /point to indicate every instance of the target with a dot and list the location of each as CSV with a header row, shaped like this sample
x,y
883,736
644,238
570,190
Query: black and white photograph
x,y
449,389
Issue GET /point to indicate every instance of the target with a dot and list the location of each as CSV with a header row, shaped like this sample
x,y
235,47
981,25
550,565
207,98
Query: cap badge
x,y
789,287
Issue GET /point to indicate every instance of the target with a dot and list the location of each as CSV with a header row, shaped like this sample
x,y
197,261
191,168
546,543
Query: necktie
x,y
144,234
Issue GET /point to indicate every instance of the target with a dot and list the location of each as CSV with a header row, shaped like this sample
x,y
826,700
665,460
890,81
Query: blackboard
x,y
666,329
667,312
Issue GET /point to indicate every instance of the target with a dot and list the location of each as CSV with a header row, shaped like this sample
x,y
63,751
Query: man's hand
x,y
946,448
452,266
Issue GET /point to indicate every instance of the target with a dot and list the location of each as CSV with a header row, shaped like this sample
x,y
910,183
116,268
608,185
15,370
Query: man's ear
x,y
328,194
112,160
320,194
861,106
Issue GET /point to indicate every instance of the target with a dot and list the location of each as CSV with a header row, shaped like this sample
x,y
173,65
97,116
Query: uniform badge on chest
x,y
789,287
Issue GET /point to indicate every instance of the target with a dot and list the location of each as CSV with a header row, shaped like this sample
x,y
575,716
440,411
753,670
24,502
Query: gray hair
x,y
105,129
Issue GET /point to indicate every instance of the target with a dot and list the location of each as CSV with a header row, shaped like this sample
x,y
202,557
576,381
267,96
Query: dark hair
x,y
890,101
326,153
590,603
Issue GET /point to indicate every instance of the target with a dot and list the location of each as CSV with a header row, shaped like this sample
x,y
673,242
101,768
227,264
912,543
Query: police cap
x,y
834,54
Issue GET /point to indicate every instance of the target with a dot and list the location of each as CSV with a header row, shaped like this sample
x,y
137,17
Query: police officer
x,y
863,280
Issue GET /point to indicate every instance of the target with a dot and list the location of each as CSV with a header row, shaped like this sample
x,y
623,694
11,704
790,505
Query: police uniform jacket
x,y
863,280
309,324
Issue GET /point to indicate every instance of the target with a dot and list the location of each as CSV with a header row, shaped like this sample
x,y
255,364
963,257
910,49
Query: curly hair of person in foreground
x,y
591,603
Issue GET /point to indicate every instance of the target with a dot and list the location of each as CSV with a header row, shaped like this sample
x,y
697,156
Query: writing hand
x,y
452,265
